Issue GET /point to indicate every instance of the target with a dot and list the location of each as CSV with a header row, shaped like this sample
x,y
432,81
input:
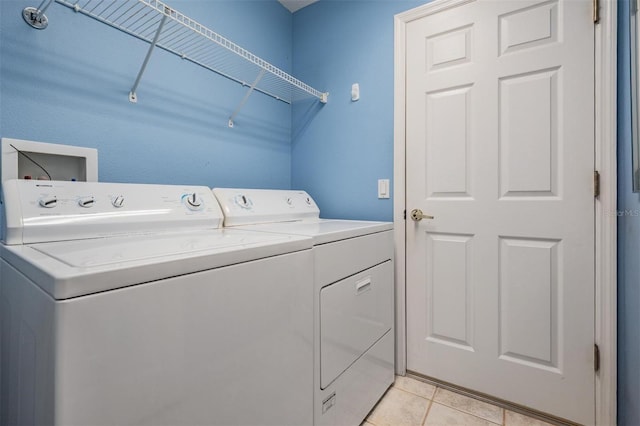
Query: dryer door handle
x,y
363,285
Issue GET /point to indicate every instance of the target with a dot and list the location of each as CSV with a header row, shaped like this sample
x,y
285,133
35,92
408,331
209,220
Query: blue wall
x,y
628,243
340,150
69,84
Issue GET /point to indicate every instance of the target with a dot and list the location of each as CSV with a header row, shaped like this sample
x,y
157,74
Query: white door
x,y
500,149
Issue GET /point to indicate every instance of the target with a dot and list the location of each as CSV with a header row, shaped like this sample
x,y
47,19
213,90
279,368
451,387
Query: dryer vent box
x,y
62,162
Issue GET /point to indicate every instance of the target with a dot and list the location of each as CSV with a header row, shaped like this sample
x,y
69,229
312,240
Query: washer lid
x,y
74,268
324,230
109,251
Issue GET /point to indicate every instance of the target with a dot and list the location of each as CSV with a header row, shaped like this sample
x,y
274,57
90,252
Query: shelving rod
x,y
132,95
246,96
42,10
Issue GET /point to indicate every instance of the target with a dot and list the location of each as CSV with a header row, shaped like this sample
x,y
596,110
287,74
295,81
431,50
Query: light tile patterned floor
x,y
411,402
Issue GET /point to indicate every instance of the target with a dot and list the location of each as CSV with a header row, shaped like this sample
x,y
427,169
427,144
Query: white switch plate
x,y
355,92
383,188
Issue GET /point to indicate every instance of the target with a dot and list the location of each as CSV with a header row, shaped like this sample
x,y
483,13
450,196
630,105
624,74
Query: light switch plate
x,y
383,188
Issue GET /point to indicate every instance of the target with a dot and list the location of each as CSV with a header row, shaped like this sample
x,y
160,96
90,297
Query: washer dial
x,y
48,201
192,201
243,201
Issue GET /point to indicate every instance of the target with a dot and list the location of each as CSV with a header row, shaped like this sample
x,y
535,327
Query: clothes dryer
x,y
353,296
125,304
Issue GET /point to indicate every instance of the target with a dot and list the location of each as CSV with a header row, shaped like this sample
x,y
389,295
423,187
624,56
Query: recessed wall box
x,y
61,162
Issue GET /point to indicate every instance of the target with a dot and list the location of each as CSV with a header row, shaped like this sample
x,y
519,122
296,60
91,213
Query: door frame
x,y
605,207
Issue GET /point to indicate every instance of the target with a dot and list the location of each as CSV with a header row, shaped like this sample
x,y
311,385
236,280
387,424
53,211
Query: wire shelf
x,y
152,20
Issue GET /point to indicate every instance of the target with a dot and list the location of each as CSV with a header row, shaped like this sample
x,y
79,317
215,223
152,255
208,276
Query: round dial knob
x,y
289,201
193,202
118,201
86,202
48,201
243,201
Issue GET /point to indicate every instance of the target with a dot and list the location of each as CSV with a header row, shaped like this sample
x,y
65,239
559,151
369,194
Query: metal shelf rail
x,y
162,26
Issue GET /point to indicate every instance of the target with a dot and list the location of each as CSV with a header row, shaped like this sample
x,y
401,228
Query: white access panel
x,y
349,398
354,314
63,162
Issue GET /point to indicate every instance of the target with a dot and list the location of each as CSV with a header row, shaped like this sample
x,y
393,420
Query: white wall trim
x,y
606,217
606,42
399,186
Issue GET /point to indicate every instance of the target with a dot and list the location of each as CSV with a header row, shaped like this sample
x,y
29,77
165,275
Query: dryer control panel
x,y
254,206
43,211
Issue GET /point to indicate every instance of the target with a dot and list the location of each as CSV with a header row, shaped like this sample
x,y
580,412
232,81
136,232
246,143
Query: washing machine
x,y
353,296
126,304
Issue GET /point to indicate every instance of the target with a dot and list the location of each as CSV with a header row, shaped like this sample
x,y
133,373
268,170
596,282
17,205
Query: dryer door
x,y
354,313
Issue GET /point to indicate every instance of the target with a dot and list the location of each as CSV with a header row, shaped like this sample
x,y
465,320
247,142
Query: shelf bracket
x,y
246,96
132,94
35,16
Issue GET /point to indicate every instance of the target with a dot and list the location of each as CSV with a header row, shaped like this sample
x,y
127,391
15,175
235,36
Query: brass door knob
x,y
417,215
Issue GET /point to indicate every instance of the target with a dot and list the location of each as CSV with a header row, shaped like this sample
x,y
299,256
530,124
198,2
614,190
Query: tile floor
x,y
410,402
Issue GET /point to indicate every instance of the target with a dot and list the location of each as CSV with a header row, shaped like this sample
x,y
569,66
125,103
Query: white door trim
x,y
606,213
606,217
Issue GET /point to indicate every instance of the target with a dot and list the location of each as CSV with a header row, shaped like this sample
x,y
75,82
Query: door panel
x,y
500,149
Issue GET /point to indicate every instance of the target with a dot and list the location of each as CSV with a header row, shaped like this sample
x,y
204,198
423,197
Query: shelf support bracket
x,y
132,94
35,16
246,96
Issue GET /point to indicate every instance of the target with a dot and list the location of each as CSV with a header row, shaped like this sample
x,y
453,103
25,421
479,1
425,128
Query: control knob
x,y
193,201
48,201
118,201
86,202
243,201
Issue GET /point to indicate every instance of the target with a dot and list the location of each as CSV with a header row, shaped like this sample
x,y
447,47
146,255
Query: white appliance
x,y
353,296
125,304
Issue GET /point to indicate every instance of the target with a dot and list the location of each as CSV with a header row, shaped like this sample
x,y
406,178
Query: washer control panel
x,y
253,206
41,211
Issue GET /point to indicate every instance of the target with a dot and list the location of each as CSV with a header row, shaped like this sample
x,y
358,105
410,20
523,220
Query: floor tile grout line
x,y
424,419
367,419
413,393
429,400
